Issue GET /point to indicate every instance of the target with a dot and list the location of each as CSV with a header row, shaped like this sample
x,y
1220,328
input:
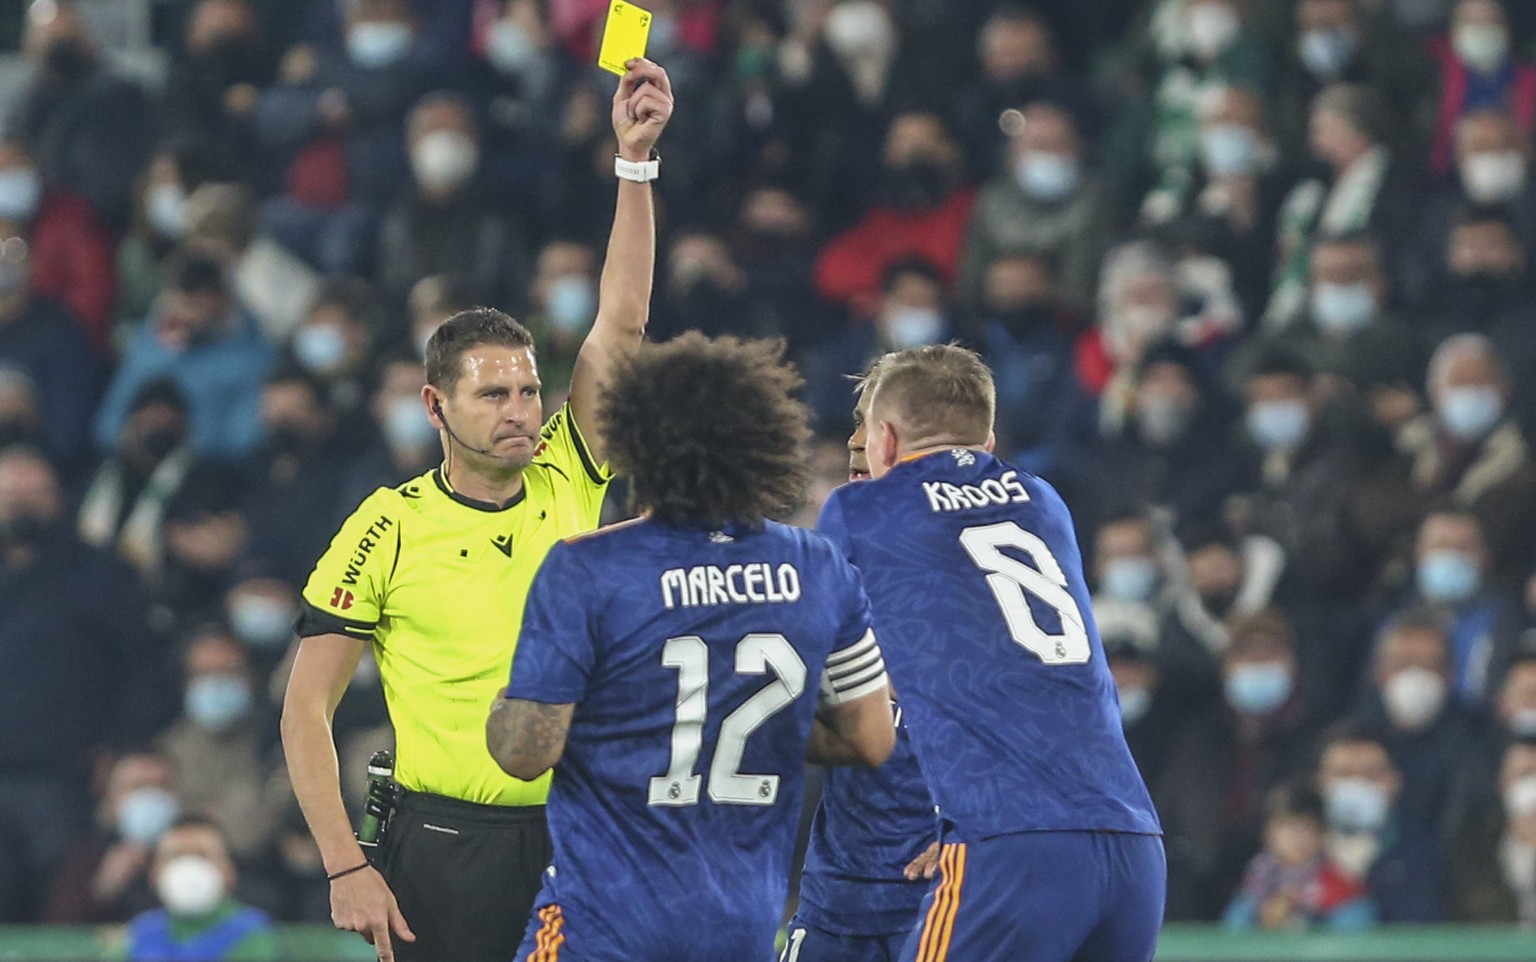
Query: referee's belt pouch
x,y
379,806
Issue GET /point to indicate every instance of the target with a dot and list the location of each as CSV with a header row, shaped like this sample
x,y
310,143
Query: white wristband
x,y
640,172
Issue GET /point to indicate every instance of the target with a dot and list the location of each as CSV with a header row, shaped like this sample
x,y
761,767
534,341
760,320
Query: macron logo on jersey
x,y
748,584
943,496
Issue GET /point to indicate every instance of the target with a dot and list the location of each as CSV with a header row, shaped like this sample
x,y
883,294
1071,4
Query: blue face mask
x,y
406,427
1228,150
1469,413
1327,51
321,349
1129,579
508,47
1258,688
1279,425
261,622
1047,177
216,702
1134,704
144,813
373,44
1447,577
572,303
21,191
1342,309
1356,805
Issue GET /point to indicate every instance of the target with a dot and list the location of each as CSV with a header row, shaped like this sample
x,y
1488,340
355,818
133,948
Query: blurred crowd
x,y
1255,277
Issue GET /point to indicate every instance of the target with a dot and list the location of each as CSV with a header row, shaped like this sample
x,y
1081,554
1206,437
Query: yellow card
x,y
623,36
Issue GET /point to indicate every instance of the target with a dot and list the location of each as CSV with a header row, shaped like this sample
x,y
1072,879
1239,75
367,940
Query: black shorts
x,y
465,876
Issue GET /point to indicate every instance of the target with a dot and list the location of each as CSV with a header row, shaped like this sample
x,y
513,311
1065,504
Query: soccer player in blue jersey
x,y
1051,849
672,670
857,902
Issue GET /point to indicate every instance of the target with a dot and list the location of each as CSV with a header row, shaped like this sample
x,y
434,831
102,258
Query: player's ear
x,y
889,444
991,442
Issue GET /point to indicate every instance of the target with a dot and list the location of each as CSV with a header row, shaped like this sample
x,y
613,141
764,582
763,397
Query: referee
x,y
434,574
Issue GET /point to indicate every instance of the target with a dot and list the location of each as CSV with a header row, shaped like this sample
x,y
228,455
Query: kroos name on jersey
x,y
943,496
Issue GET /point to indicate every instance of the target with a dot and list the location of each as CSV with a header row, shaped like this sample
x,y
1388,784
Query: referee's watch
x,y
641,172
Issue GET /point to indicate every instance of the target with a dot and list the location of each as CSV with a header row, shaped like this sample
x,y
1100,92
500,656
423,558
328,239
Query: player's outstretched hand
x,y
362,903
641,108
925,864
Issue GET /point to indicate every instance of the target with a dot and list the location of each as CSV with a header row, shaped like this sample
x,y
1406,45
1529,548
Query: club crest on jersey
x,y
342,599
963,458
720,537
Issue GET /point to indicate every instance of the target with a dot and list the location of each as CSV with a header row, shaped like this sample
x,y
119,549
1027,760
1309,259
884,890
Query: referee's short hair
x,y
708,431
465,331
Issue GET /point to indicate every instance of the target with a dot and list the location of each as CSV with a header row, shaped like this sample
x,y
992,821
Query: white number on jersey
x,y
756,654
1010,579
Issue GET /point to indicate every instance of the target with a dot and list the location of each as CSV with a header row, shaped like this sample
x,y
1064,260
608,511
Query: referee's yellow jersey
x,y
437,581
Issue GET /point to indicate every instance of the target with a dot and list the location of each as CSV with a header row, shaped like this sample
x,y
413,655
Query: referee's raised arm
x,y
642,105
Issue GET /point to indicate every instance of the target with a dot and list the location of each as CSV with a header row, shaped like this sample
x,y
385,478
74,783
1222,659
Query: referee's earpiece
x,y
437,406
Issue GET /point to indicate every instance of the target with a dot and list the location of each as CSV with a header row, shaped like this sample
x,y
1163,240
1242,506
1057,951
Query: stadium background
x,y
1223,255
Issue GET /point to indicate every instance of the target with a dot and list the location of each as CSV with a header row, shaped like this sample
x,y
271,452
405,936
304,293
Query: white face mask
x,y
1520,797
190,885
1342,309
913,327
165,207
1327,51
1229,150
1469,413
1047,177
378,43
571,303
406,426
21,191
1212,29
1482,46
1356,805
1493,176
444,159
146,812
508,47
1413,698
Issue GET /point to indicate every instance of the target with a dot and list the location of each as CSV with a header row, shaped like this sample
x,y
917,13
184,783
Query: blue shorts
x,y
1044,897
807,943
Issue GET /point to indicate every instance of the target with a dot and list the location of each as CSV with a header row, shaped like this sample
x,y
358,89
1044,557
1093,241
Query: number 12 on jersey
x,y
756,654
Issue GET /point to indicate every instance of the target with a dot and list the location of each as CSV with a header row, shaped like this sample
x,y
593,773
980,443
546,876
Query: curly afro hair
x,y
708,431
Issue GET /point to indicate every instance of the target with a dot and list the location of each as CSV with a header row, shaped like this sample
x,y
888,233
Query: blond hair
x,y
939,394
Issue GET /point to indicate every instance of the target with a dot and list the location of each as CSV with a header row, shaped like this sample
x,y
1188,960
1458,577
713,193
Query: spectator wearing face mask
x,y
1492,869
1171,453
294,487
199,916
1045,201
57,654
1479,71
1226,761
1451,571
1344,41
69,251
774,244
41,340
1425,728
212,90
1361,186
1367,839
202,340
334,345
1470,452
87,128
444,223
261,611
519,79
216,747
1200,47
1291,884
1492,175
334,125
1349,332
564,305
1020,64
406,444
1149,719
159,223
275,286
106,877
1026,330
921,212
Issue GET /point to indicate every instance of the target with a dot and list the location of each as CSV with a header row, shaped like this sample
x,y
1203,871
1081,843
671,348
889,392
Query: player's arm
x,y
854,725
526,737
640,112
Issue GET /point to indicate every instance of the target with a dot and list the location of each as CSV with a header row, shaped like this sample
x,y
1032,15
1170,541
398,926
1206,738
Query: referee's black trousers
x,y
465,876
